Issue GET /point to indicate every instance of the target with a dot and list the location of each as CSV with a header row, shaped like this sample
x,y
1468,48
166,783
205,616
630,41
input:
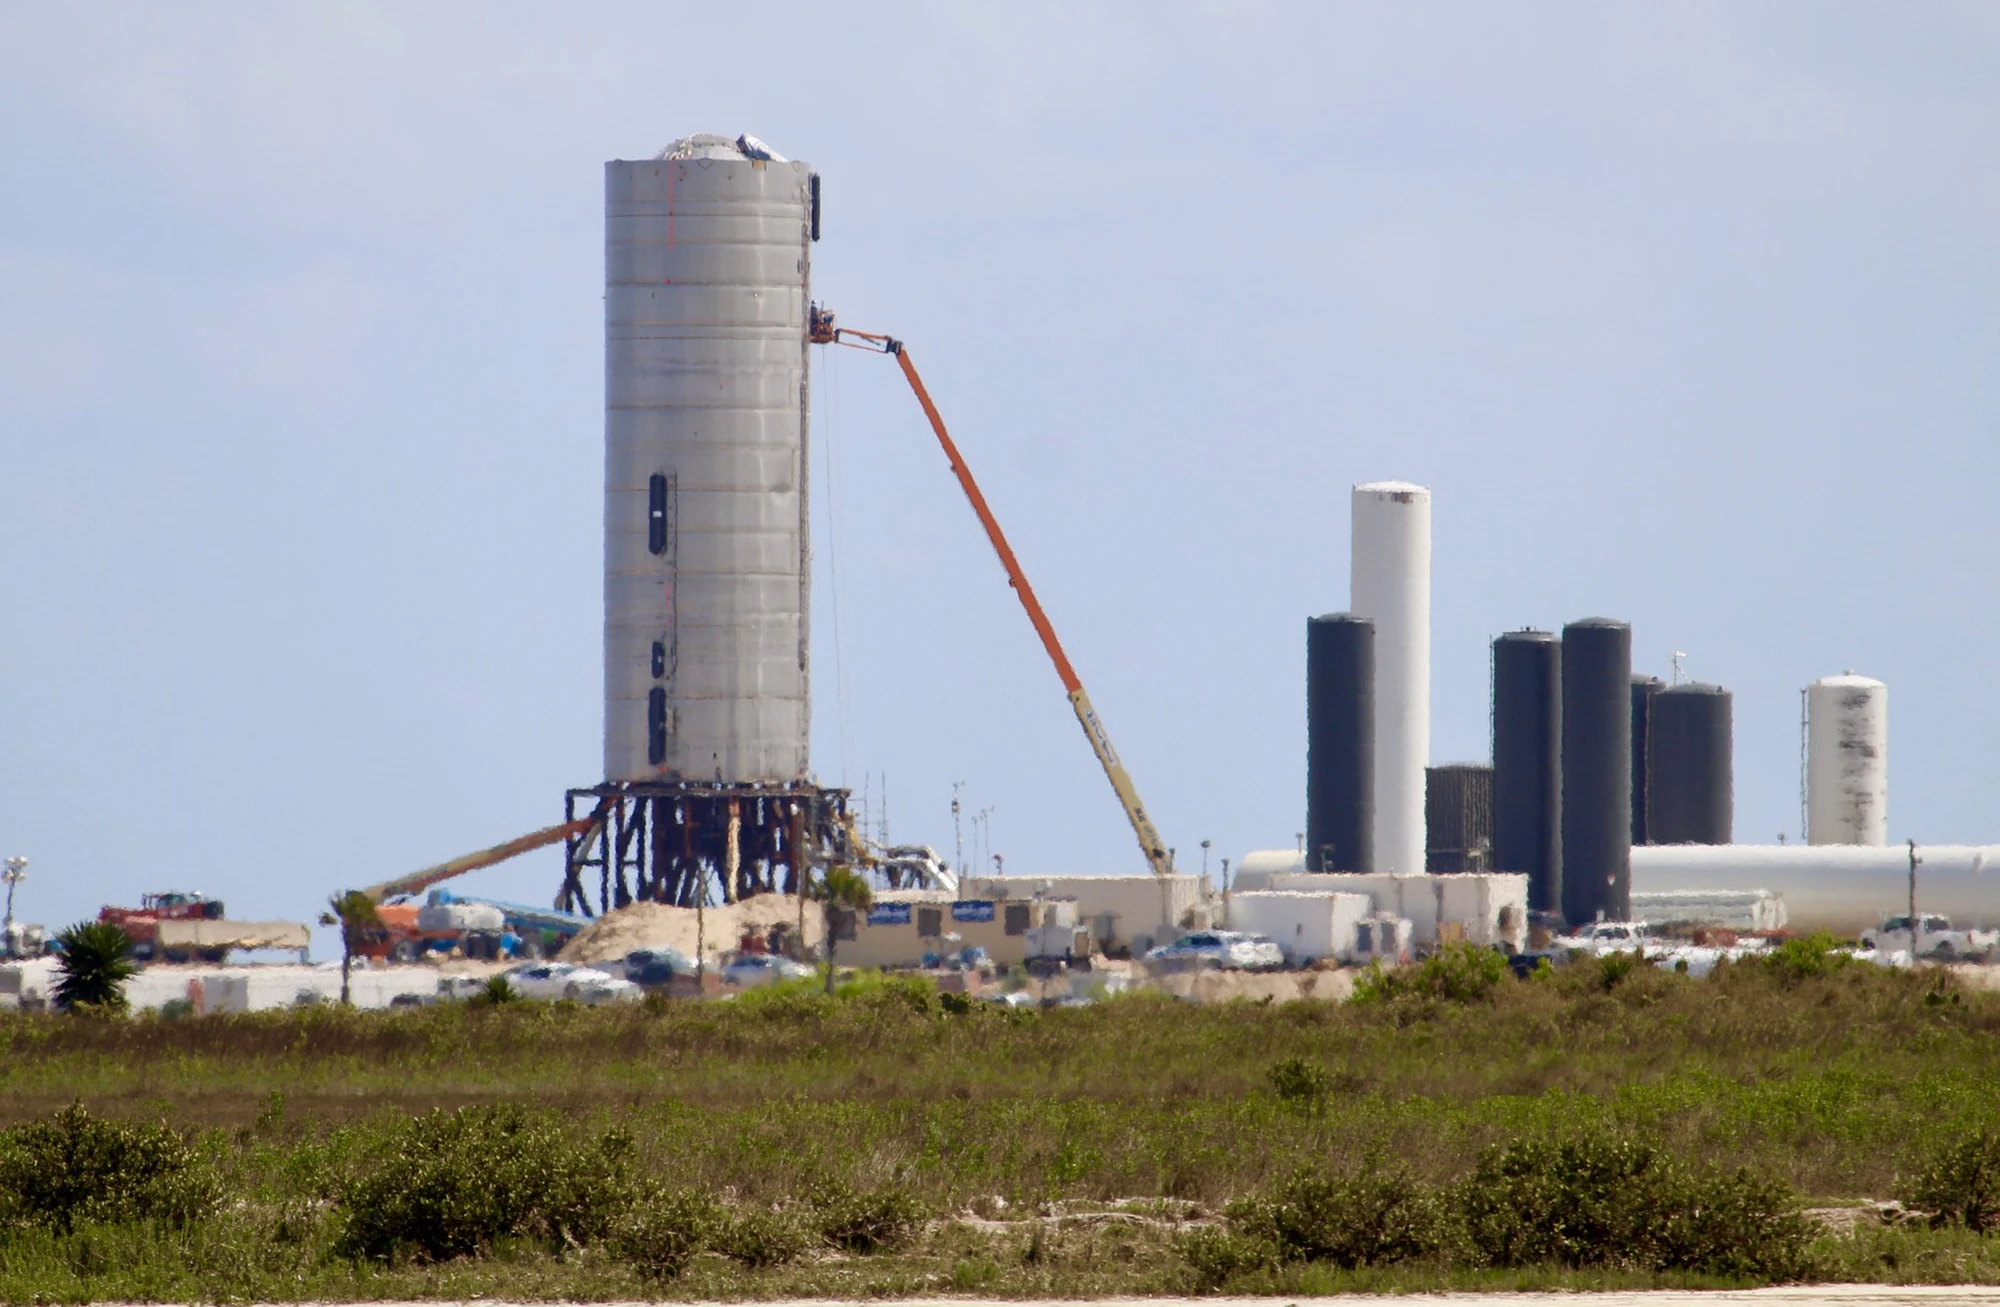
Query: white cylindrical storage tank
x,y
706,538
1391,586
1847,761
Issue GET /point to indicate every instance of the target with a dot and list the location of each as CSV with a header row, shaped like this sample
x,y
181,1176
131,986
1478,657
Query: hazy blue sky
x,y
1689,313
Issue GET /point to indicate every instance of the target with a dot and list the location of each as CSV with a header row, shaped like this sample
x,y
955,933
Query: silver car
x,y
1233,950
553,980
754,969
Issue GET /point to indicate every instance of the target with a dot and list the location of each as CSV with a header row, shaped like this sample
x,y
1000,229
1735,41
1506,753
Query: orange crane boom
x,y
823,332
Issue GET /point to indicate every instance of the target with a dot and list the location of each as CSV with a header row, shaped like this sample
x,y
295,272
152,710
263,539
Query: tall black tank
x,y
1597,770
1458,817
1691,780
1643,690
1527,763
1340,743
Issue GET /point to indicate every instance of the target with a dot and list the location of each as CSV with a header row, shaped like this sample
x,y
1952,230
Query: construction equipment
x,y
142,924
821,330
417,881
401,931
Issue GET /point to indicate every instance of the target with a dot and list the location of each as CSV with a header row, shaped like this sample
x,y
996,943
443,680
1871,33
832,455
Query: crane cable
x,y
830,393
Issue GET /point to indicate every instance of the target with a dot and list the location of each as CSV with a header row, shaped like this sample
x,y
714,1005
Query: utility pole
x,y
957,832
1915,923
1204,858
983,826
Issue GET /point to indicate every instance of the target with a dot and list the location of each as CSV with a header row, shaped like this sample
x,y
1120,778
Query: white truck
x,y
1936,938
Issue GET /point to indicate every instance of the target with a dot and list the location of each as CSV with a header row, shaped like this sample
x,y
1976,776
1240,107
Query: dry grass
x,y
1830,1083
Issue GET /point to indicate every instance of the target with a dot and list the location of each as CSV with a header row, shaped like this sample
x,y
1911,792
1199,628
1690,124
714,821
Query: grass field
x,y
1141,1145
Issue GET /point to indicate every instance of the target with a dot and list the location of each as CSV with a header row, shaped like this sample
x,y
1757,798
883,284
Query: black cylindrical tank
x,y
1527,763
1597,770
1643,690
1691,781
1340,743
1458,817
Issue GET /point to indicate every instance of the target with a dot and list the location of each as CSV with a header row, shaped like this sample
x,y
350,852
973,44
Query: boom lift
x,y
822,331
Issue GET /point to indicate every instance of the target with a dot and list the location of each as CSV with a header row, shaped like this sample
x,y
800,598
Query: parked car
x,y
652,967
754,969
1234,950
1937,937
553,980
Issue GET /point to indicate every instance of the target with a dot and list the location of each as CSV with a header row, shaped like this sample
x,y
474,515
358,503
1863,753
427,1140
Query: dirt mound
x,y
655,925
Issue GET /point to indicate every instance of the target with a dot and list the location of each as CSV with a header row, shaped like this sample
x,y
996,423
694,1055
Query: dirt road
x,y
1848,1295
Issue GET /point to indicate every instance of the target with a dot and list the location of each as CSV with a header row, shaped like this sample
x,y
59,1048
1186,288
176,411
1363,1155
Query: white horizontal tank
x,y
1847,761
1843,889
706,568
1390,584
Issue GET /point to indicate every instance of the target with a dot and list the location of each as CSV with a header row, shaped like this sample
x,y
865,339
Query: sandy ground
x,y
1277,986
1873,1295
719,928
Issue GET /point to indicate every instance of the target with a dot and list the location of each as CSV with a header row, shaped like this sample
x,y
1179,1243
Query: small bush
x,y
1456,973
760,1238
1806,957
498,991
93,967
1958,1184
449,1184
1215,1257
866,1222
1613,968
1370,1219
1301,1083
74,1169
1613,1200
665,1232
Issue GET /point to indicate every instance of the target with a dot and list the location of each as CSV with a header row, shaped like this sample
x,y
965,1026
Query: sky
x,y
1688,313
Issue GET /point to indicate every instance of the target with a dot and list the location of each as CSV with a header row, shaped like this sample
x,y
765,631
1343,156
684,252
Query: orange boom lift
x,y
822,331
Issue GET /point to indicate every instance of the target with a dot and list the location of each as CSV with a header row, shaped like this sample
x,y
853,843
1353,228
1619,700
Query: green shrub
x,y
1215,1257
761,1237
1606,1199
665,1231
1734,1224
1299,1082
866,1221
496,992
93,967
449,1184
1958,1183
1806,957
1456,973
1368,1219
1613,968
73,1169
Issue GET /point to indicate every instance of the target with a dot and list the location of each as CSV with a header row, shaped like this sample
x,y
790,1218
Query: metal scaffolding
x,y
680,844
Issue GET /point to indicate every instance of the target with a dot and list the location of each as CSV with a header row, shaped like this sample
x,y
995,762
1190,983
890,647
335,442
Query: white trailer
x,y
1307,926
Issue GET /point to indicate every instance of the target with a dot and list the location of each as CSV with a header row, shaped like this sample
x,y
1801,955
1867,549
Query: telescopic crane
x,y
822,331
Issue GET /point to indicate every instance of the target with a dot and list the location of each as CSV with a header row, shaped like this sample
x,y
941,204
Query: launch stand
x,y
680,843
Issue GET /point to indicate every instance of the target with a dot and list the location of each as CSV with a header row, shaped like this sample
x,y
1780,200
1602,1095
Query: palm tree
x,y
95,963
839,890
354,912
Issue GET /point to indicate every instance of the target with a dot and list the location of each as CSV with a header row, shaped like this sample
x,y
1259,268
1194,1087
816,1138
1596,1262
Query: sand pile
x,y
655,925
